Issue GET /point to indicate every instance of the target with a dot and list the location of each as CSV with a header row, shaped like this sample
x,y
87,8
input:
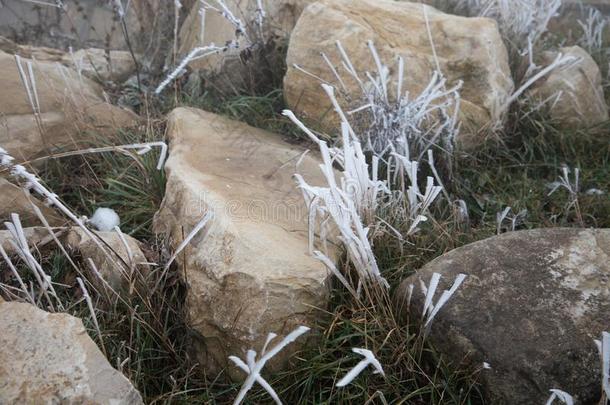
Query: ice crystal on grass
x,y
560,395
593,30
369,359
389,118
603,346
430,309
253,367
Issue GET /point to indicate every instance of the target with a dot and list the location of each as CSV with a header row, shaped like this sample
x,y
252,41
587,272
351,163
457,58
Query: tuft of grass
x,y
129,184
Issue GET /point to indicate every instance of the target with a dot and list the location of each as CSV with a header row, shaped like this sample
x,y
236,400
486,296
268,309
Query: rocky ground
x,y
239,201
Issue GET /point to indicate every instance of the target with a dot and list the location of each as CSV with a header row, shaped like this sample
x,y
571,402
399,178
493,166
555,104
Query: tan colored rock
x,y
281,17
97,64
468,49
49,359
14,199
579,85
248,272
117,266
69,107
531,306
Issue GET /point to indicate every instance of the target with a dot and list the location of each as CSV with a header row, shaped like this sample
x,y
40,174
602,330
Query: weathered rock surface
x,y
248,272
75,241
120,276
88,23
49,359
531,306
69,107
14,199
582,100
468,49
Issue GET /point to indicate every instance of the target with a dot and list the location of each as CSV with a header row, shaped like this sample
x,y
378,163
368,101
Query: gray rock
x,y
531,306
49,359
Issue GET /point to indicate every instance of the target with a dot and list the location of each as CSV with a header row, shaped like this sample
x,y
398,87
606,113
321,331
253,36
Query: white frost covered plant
x,y
560,395
253,367
369,360
396,120
603,347
593,28
431,309
518,20
204,51
345,204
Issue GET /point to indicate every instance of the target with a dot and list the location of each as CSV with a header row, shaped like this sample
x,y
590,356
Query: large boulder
x,y
49,359
467,49
248,271
531,306
581,100
70,107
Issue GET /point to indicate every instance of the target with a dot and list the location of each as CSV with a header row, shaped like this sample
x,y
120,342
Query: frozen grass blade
x,y
562,396
13,269
430,309
198,227
254,367
369,359
603,346
92,311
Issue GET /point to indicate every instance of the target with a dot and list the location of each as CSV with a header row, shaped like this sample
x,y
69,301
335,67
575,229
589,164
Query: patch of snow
x,y
105,219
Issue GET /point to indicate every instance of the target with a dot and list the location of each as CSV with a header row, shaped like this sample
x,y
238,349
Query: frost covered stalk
x,y
204,51
396,120
89,302
514,220
349,202
19,242
141,149
571,186
430,309
254,367
560,395
28,79
593,30
369,360
603,346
